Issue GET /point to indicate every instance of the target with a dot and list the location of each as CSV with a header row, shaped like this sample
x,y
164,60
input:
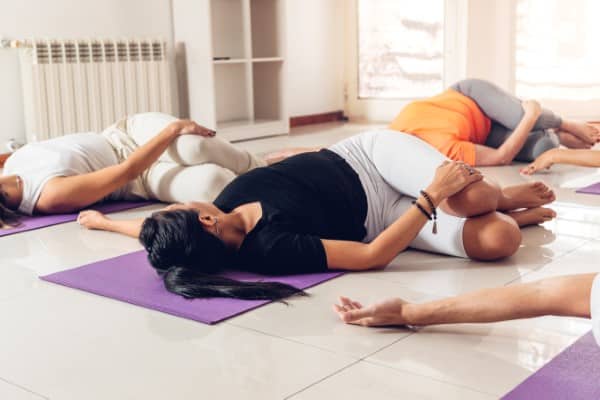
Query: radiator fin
x,y
85,85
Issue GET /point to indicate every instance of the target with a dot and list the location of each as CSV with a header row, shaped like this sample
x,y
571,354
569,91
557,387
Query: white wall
x,y
23,19
315,51
315,56
490,41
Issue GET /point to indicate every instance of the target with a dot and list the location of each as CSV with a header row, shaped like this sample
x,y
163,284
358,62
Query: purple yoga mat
x,y
592,189
42,221
573,374
131,279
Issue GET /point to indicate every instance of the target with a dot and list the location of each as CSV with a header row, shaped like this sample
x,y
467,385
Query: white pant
x,y
193,168
393,168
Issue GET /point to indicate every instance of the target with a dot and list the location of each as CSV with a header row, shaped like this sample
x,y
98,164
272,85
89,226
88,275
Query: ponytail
x,y
188,258
192,284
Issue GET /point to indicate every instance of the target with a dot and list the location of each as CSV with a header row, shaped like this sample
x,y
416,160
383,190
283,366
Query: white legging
x,y
393,168
193,168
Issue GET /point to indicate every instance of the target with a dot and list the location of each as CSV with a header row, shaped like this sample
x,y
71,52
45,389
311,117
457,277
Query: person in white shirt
x,y
144,156
571,295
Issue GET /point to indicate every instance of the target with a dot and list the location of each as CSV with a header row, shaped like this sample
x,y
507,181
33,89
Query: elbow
x,y
53,203
502,159
378,259
128,170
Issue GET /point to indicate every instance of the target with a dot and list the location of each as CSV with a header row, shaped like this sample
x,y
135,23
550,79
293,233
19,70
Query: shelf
x,y
231,93
246,129
267,59
228,26
267,83
265,19
231,61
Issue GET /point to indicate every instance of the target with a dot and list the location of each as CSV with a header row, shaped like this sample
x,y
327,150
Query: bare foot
x,y
532,216
526,195
571,141
586,132
386,313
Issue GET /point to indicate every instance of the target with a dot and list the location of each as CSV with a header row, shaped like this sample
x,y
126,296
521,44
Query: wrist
x,y
174,129
412,314
435,194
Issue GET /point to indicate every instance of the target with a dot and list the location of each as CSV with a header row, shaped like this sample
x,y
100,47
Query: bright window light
x,y
400,48
557,49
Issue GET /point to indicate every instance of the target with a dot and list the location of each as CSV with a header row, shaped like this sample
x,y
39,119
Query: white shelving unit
x,y
235,63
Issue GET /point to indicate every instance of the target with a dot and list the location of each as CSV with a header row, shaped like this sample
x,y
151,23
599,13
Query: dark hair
x,y
188,257
8,218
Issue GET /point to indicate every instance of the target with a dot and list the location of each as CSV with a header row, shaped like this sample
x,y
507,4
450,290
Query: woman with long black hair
x,y
351,207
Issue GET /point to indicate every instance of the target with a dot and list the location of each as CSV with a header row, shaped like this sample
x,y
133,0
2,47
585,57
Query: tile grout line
x,y
566,253
322,379
381,365
292,340
23,388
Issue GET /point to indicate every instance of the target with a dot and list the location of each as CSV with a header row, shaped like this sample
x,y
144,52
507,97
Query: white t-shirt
x,y
75,154
595,308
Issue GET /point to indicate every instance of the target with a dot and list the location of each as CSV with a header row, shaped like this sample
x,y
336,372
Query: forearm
x,y
583,158
143,157
130,228
398,236
514,143
566,296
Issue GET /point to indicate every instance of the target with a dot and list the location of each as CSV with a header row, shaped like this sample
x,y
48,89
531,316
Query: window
x,y
557,54
400,48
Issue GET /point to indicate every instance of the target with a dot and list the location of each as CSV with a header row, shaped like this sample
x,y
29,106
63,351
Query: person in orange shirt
x,y
476,122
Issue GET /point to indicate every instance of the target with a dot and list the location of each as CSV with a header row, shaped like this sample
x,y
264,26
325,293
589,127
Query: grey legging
x,y
506,112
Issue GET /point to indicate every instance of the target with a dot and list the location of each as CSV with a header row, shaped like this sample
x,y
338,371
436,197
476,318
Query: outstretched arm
x,y
91,219
67,194
505,154
582,158
450,178
563,296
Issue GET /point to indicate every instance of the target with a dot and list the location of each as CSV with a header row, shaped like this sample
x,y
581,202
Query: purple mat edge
x,y
591,189
58,278
546,376
189,316
31,223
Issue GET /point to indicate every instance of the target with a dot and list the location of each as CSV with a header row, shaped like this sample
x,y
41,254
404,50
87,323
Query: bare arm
x,y
91,219
505,154
583,158
564,296
450,178
67,194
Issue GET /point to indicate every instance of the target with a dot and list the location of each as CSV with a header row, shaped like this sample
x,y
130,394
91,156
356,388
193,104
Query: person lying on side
x,y
144,156
570,296
351,207
477,122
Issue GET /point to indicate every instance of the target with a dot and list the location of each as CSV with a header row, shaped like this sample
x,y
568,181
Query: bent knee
x,y
497,236
476,199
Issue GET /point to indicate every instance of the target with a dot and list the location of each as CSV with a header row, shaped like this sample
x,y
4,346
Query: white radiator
x,y
81,86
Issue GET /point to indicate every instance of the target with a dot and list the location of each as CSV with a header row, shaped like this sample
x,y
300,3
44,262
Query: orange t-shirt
x,y
451,122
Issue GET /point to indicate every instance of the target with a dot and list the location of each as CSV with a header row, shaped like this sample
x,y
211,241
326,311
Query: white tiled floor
x,y
60,343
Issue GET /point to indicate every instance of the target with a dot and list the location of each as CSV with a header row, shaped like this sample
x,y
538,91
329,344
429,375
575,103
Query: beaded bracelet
x,y
433,210
420,207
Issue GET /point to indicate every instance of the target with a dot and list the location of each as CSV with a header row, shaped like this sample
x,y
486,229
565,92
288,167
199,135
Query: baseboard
x,y
3,158
317,118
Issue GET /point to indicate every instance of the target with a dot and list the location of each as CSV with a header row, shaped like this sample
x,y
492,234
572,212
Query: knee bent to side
x,y
503,241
